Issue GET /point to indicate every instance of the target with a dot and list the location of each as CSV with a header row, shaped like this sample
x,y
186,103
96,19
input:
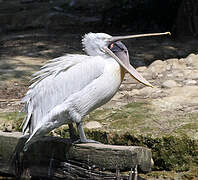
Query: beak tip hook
x,y
150,85
169,33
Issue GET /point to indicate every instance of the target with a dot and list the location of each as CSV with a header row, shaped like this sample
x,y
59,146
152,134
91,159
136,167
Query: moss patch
x,y
11,121
169,152
170,175
139,118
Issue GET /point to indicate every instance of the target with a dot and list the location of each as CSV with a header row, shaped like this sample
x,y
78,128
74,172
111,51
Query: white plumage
x,y
73,82
69,87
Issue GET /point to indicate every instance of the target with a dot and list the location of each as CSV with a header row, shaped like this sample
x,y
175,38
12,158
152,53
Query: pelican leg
x,y
72,133
83,138
81,132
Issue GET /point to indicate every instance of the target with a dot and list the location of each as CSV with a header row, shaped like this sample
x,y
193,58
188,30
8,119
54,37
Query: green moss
x,y
139,118
173,153
160,175
169,152
127,118
11,118
171,175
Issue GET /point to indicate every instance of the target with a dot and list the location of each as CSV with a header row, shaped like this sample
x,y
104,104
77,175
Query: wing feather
x,y
56,81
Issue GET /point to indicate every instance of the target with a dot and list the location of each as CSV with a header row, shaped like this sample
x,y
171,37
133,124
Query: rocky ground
x,y
174,96
163,118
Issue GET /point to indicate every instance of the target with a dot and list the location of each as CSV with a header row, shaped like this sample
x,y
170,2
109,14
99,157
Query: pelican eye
x,y
111,46
116,47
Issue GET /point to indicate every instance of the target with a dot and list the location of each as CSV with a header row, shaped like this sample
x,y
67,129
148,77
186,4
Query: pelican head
x,y
94,43
102,44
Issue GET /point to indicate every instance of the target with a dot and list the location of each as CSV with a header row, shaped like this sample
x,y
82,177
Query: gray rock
x,y
8,127
178,74
178,98
119,95
190,82
93,125
134,92
141,69
171,61
148,91
176,63
157,67
170,84
192,60
191,74
160,75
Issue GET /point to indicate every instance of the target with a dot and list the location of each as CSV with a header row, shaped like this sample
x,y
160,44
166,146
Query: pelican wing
x,y
55,82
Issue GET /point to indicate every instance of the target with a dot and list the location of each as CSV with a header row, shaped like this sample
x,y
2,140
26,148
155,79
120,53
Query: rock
x,y
146,75
148,91
154,75
170,75
176,63
178,74
192,60
93,125
158,63
160,75
169,84
178,98
8,127
190,82
135,92
191,74
168,67
171,61
118,95
141,69
157,67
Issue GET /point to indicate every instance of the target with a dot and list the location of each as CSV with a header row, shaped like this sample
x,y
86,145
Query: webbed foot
x,y
83,138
